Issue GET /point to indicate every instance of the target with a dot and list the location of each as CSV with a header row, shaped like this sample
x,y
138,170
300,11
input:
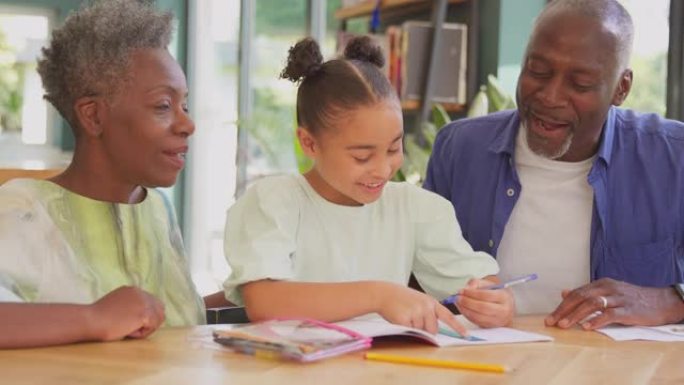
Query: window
x,y
270,123
22,111
649,57
213,45
236,52
675,73
26,133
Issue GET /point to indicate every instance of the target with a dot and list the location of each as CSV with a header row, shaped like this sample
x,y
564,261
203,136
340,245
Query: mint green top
x,y
58,246
282,229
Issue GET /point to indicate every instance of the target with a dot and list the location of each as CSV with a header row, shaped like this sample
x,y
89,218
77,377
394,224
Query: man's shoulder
x,y
482,129
647,141
649,127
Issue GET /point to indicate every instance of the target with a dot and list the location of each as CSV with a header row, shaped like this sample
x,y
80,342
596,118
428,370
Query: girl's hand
x,y
404,306
486,308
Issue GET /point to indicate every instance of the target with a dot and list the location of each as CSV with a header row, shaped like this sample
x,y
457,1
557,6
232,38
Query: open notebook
x,y
309,340
373,325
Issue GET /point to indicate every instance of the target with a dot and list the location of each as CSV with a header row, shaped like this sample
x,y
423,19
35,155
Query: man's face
x,y
567,83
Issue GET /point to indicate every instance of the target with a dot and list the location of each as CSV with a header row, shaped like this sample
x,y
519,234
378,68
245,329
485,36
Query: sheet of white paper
x,y
648,333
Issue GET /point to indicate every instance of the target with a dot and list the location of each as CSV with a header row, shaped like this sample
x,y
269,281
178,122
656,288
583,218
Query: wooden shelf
x,y
395,10
366,8
414,105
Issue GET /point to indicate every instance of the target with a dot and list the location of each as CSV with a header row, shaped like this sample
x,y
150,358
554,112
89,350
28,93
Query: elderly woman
x,y
95,254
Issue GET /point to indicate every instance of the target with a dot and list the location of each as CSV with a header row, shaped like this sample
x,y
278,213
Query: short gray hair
x,y
609,12
89,54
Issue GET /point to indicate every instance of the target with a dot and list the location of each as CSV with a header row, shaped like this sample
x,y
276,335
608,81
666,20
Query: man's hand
x,y
625,304
125,312
486,308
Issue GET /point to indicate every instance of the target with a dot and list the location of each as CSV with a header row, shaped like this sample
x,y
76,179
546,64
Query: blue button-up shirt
x,y
637,229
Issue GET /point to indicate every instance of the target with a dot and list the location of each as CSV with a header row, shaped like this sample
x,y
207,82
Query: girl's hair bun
x,y
303,60
362,48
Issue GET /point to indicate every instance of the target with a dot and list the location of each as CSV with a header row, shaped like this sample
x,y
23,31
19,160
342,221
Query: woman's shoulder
x,y
22,193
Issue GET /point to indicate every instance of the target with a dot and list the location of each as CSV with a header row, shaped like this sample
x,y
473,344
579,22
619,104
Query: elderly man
x,y
588,196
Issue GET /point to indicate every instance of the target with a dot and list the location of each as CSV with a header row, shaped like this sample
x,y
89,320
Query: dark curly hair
x,y
328,89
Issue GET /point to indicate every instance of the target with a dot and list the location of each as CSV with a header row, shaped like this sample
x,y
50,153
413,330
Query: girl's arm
x,y
330,302
217,299
124,312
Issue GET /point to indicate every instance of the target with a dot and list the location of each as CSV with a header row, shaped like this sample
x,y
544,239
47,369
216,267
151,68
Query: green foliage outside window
x,y
649,88
491,98
11,81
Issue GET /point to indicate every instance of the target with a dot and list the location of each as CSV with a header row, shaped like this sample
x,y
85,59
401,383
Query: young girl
x,y
342,240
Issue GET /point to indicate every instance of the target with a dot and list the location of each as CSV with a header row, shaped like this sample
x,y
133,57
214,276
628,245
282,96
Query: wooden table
x,y
178,356
12,173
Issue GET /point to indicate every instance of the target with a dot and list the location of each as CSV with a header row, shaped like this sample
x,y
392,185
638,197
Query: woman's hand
x,y
125,312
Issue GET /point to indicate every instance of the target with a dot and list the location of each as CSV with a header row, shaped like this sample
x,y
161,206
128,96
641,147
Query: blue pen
x,y
527,278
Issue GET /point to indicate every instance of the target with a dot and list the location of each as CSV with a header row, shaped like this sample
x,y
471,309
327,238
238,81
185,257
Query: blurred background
x,y
233,51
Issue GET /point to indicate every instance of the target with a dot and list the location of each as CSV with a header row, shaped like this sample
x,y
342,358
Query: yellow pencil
x,y
436,363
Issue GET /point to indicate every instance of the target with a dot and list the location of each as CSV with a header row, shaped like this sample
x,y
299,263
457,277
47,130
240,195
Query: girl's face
x,y
357,155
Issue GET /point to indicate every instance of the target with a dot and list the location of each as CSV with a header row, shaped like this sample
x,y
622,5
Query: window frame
x,y
675,62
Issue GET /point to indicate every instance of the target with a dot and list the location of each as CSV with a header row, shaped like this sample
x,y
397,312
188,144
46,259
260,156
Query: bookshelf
x,y
414,105
402,10
389,6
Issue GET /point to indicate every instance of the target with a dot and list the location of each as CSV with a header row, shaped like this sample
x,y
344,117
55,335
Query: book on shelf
x,y
394,35
307,340
351,3
407,53
449,76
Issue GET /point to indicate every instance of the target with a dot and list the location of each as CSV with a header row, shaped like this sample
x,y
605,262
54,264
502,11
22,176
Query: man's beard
x,y
541,151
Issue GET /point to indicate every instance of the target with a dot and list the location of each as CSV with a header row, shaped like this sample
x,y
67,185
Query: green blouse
x,y
58,246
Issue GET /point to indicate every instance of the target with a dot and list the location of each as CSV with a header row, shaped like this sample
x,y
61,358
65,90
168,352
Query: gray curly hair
x,y
89,54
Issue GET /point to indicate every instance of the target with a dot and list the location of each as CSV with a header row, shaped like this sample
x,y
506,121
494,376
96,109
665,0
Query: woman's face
x,y
146,126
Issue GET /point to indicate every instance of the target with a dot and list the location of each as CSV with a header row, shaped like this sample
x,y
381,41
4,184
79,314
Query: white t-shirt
x,y
282,229
549,229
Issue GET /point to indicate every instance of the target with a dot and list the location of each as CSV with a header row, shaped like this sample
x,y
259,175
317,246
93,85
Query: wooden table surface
x,y
12,173
185,356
